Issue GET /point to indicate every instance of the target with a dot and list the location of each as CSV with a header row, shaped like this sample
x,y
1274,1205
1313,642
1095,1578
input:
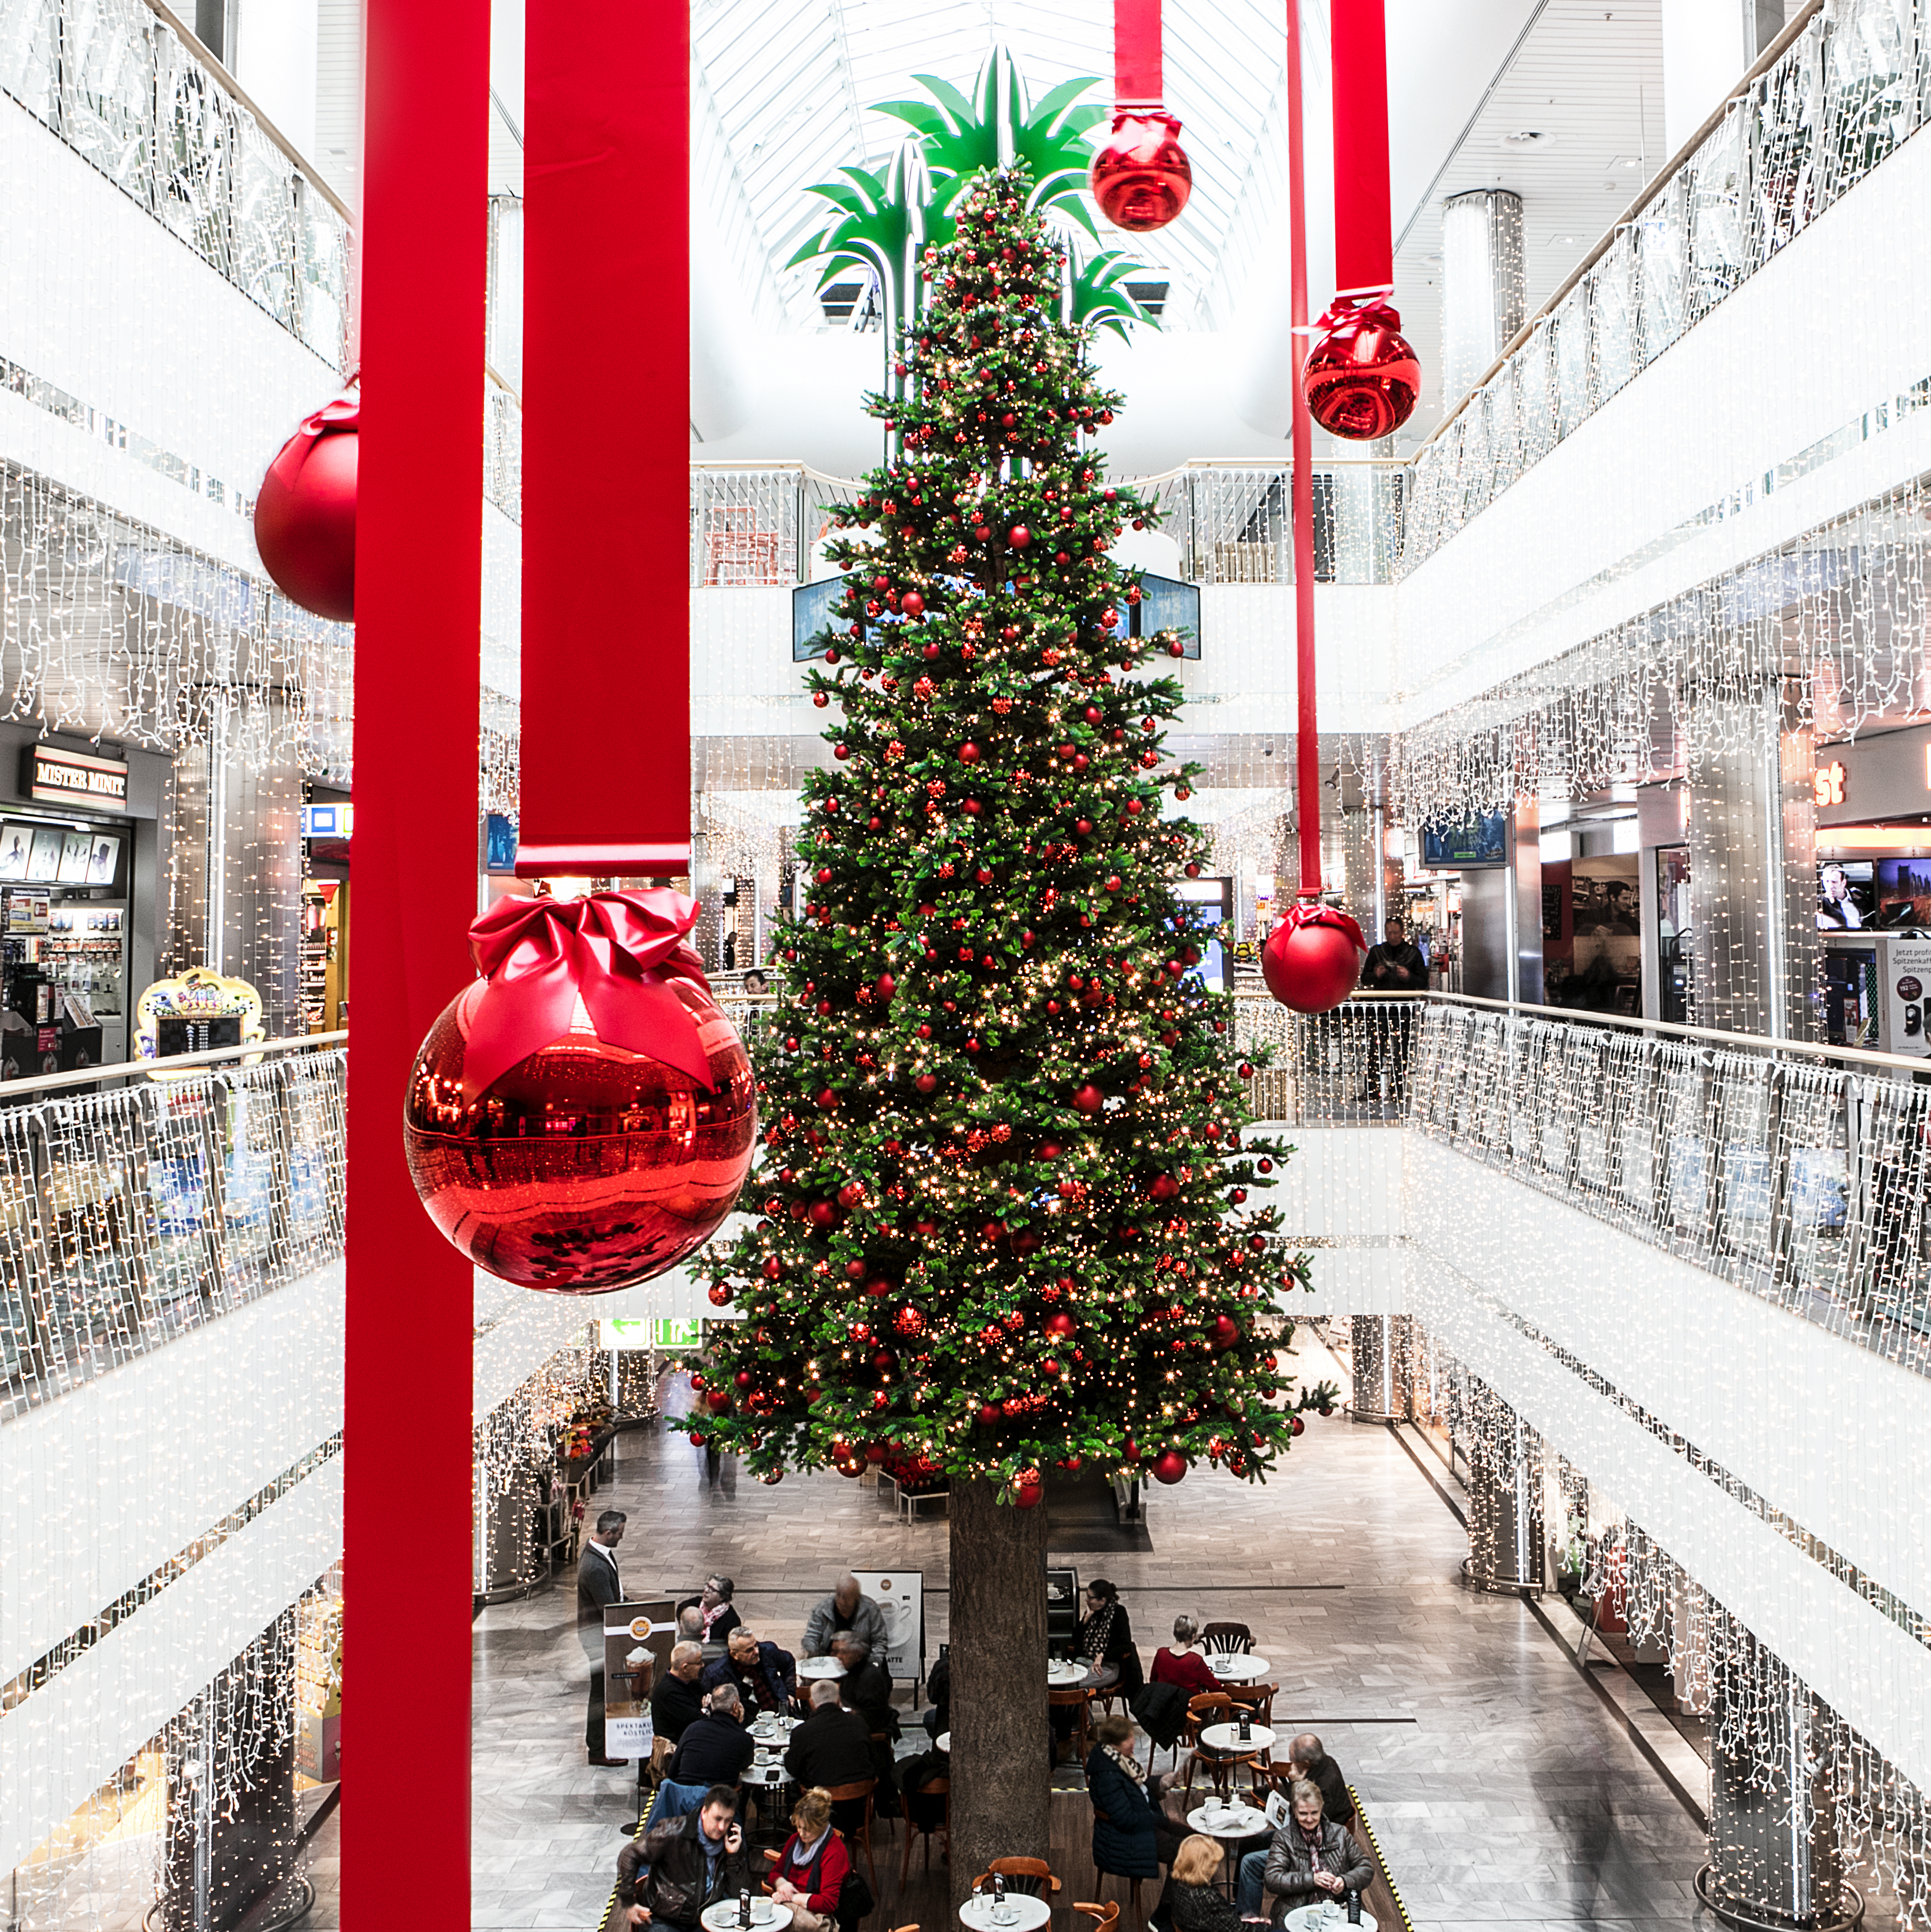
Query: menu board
x,y
179,1033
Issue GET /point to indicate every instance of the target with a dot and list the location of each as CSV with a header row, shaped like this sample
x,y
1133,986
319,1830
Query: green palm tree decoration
x,y
882,222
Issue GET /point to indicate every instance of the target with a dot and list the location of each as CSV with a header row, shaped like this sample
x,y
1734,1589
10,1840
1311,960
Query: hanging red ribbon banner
x,y
1364,254
1307,739
1137,81
605,723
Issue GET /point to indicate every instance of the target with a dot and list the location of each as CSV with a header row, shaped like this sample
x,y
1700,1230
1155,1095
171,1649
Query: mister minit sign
x,y
57,777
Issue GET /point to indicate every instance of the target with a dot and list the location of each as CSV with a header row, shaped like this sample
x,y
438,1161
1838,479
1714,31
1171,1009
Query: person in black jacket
x,y
677,1700
1310,1760
866,1689
1193,1898
833,1746
597,1584
715,1747
693,1861
1105,1635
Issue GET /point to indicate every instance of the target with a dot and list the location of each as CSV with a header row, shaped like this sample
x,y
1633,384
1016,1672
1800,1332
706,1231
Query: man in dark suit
x,y
598,1583
833,1746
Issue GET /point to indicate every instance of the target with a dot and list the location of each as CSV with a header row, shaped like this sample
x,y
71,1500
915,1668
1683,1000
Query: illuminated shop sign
x,y
73,777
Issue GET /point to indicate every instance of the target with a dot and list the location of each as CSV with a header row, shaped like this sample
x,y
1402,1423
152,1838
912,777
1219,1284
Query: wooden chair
x,y
1258,1699
1104,1917
859,1793
1227,1639
1113,1906
1033,1876
1080,1702
943,1786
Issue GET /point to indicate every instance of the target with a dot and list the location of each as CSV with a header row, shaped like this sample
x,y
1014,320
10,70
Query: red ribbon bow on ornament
x,y
1345,316
344,413
616,952
1305,912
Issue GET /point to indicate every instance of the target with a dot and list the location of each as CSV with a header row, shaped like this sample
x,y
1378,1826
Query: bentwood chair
x,y
933,1787
851,1812
1209,1708
1227,1639
1257,1698
1105,1923
1033,1876
1080,1703
1104,1917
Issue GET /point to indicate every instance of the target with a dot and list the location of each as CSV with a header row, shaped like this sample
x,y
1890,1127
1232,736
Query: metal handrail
x,y
177,1062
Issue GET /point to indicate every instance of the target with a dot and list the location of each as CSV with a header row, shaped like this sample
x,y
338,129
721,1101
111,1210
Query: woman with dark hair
x,y
1106,1637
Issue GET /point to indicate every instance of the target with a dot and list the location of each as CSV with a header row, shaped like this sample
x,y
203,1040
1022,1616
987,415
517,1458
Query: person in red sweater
x,y
809,1874
1182,1664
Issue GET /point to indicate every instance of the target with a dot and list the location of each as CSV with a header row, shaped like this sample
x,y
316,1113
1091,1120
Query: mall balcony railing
x,y
1846,84
125,86
1800,1174
137,1203
763,523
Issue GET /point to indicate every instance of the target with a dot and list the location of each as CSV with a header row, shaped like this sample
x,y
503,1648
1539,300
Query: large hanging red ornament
x,y
1141,179
583,1117
305,512
1312,958
1362,380
1169,1466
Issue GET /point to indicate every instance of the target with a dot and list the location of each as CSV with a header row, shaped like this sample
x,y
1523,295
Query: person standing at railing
x,y
1397,965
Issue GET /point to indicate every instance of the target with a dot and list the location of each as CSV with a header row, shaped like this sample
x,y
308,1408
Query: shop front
x,y
76,900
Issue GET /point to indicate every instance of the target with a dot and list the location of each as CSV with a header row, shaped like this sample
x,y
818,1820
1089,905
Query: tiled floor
x,y
1501,1787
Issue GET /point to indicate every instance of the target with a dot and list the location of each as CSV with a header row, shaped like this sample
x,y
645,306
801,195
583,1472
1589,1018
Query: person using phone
x,y
692,1862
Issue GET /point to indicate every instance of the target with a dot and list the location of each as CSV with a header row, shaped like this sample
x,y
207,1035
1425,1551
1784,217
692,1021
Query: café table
x,y
770,1778
1063,1674
1329,1916
812,1668
766,1915
944,1742
1237,1666
1230,1824
1227,1738
1023,1913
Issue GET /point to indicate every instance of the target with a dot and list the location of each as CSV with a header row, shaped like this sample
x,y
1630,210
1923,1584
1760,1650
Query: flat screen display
x,y
1846,898
1456,848
1903,891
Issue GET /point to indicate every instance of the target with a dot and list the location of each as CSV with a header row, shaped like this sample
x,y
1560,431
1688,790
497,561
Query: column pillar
x,y
1752,871
1506,1545
1773,1854
1380,1346
1482,285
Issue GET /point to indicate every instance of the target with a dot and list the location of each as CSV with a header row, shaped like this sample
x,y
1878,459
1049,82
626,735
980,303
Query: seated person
x,y
677,1697
866,1689
1310,1760
1193,1898
938,1715
764,1675
714,1607
810,1874
833,1746
694,1861
1311,1859
847,1608
1133,1837
1105,1637
715,1747
1183,1665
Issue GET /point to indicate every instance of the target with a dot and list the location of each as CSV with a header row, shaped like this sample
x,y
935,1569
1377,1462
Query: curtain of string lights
x,y
1717,1665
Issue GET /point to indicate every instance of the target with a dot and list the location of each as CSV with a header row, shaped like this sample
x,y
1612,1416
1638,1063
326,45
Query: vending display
x,y
84,955
47,1023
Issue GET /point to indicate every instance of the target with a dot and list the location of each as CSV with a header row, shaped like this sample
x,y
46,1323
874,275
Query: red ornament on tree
x,y
1226,1331
1027,1490
1090,1099
1362,379
305,512
1312,958
1169,1466
583,1117
1141,178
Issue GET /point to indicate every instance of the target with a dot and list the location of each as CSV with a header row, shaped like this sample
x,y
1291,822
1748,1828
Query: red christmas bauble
x,y
585,1167
1312,959
1362,379
1169,1466
1141,178
772,1476
305,513
909,1321
1061,1324
988,1414
1226,1331
1027,1490
1090,1099
720,1294
1296,1425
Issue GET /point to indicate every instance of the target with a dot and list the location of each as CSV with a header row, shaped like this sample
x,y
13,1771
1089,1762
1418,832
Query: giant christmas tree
x,y
1005,1223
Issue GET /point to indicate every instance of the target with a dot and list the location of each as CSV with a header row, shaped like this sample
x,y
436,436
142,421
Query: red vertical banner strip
x,y
1364,253
1138,80
418,614
1307,736
607,535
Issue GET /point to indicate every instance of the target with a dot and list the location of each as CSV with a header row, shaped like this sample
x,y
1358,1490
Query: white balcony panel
x,y
71,1735
107,1483
99,299
1820,335
1340,1184
1829,1434
1350,1281
1244,680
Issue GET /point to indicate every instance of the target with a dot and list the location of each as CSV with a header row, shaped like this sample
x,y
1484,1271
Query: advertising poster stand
x,y
900,1594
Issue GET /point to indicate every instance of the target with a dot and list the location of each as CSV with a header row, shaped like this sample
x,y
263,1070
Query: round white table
x,y
1237,1666
812,1668
944,1742
771,1729
1061,1674
1325,1916
1227,1738
766,1915
1229,1824
769,1777
1023,1913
